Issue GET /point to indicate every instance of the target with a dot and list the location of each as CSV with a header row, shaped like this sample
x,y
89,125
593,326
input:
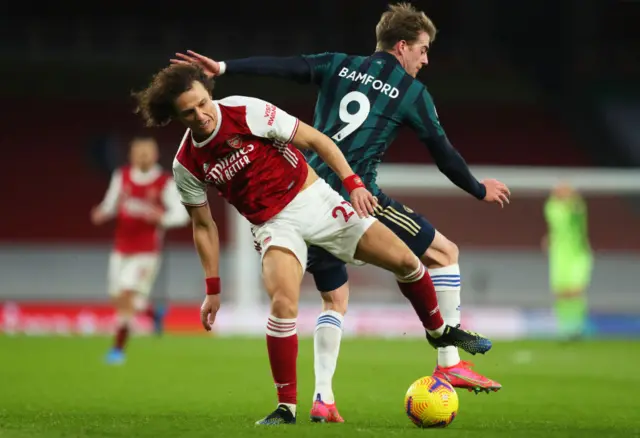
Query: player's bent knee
x,y
284,304
407,264
380,247
442,252
452,252
282,274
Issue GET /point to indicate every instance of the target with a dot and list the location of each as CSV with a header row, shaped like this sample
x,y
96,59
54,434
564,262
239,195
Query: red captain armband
x,y
352,182
213,285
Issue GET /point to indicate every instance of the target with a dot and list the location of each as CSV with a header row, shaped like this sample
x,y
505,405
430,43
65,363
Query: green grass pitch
x,y
201,386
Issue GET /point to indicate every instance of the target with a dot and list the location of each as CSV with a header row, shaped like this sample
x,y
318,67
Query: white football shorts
x,y
317,216
135,272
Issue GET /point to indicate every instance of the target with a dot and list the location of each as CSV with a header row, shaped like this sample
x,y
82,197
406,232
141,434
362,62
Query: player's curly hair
x,y
156,103
402,21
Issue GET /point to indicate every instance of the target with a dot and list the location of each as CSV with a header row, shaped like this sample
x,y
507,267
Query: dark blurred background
x,y
516,83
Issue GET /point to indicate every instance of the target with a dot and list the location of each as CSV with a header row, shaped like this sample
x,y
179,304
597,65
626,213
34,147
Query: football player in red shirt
x,y
144,201
248,149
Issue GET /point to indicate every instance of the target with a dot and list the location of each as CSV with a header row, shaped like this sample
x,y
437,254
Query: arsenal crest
x,y
235,142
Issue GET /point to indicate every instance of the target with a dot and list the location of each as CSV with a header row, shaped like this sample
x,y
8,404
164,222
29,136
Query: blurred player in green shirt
x,y
570,258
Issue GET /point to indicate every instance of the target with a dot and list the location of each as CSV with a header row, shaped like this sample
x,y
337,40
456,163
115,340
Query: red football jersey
x,y
248,157
132,194
133,233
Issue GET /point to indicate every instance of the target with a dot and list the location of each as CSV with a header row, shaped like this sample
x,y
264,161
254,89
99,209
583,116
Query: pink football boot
x,y
322,412
462,376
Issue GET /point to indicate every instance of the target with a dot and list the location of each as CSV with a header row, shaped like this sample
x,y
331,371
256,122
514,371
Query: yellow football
x,y
431,402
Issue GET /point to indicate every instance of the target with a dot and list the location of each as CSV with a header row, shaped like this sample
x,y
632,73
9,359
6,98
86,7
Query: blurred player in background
x,y
362,103
249,150
570,258
144,201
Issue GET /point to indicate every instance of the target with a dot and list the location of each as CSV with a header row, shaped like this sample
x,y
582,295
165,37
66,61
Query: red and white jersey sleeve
x,y
175,214
192,191
109,204
264,119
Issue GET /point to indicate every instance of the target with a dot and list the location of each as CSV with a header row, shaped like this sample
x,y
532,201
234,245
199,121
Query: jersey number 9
x,y
355,120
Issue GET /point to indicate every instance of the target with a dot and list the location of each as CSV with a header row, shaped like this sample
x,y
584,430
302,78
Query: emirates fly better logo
x,y
226,168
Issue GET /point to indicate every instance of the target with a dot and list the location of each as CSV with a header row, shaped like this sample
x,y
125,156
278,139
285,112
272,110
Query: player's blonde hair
x,y
156,103
402,21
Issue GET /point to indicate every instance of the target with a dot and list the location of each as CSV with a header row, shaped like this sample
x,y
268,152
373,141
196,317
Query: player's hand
x,y
98,217
496,192
208,311
363,201
211,68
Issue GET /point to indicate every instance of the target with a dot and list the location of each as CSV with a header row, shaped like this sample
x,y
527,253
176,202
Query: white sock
x,y
447,283
326,347
291,407
437,332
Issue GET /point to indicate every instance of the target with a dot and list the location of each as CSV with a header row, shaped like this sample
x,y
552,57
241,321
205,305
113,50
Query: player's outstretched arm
x,y
294,67
205,237
423,118
451,163
307,137
454,167
193,194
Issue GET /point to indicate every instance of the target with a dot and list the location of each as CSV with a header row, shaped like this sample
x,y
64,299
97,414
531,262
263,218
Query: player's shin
x,y
125,311
380,247
447,284
282,275
123,326
418,288
326,347
282,345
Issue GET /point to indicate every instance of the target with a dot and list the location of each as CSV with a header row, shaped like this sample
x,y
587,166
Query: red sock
x,y
122,335
419,290
282,345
